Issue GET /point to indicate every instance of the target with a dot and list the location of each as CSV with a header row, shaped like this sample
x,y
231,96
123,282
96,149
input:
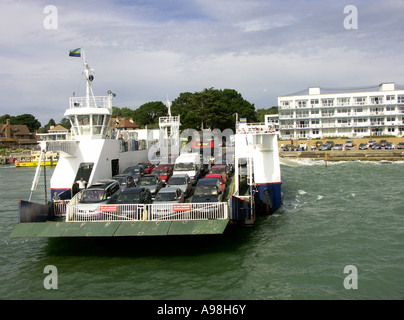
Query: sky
x,y
151,50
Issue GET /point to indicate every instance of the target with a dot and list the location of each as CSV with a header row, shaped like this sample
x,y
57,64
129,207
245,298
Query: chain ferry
x,y
95,152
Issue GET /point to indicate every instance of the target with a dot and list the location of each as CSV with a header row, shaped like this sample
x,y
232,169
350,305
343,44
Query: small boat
x,y
51,159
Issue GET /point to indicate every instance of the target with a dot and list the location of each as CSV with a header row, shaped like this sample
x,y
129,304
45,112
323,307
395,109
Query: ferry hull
x,y
268,197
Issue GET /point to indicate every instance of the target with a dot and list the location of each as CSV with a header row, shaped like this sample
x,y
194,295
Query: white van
x,y
189,163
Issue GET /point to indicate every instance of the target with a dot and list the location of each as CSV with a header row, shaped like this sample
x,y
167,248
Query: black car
x,y
363,146
136,172
136,195
151,182
125,181
207,190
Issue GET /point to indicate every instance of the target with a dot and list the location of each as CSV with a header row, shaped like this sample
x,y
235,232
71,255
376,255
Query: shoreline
x,y
345,155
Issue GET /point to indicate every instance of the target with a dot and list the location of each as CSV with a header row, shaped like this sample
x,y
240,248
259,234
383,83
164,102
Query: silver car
x,y
182,181
169,195
99,193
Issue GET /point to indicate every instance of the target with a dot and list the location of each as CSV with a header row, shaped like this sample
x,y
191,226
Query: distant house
x,y
124,124
57,132
16,135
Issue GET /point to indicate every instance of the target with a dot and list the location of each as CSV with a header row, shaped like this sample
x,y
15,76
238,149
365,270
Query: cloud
x,y
146,50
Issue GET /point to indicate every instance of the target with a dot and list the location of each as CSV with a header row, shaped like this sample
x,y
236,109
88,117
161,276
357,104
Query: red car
x,y
217,176
147,166
163,172
220,169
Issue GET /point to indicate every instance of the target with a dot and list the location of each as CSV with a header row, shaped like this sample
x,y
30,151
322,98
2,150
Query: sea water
x,y
348,214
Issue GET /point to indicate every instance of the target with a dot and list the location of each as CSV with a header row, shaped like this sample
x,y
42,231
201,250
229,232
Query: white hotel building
x,y
349,114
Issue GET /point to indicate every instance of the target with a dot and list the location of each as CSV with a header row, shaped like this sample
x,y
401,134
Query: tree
x,y
262,112
149,113
212,108
123,112
28,119
65,123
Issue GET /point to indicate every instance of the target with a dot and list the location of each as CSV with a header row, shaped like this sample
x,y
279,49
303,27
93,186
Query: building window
x,y
376,100
314,102
400,99
301,103
390,98
327,102
315,132
360,101
343,101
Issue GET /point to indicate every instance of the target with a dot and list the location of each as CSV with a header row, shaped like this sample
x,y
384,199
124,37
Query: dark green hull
x,y
118,229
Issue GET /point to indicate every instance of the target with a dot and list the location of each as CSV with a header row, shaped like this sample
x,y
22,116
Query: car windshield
x,y
147,182
132,171
92,196
166,196
177,180
184,166
128,198
160,171
218,170
205,190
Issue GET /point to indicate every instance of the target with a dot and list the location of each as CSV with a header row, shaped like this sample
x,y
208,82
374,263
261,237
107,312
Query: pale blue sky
x,y
146,50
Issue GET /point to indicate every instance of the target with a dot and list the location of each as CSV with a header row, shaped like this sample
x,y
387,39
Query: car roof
x,y
169,189
207,182
213,175
102,184
180,175
149,175
134,190
122,175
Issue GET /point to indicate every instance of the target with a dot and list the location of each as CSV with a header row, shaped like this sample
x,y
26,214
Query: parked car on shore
x,y
289,147
400,145
363,146
370,143
338,146
376,146
349,144
325,147
331,143
383,143
389,146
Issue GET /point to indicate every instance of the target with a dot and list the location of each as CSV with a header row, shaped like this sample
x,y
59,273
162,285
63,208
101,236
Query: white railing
x,y
59,207
92,102
148,212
